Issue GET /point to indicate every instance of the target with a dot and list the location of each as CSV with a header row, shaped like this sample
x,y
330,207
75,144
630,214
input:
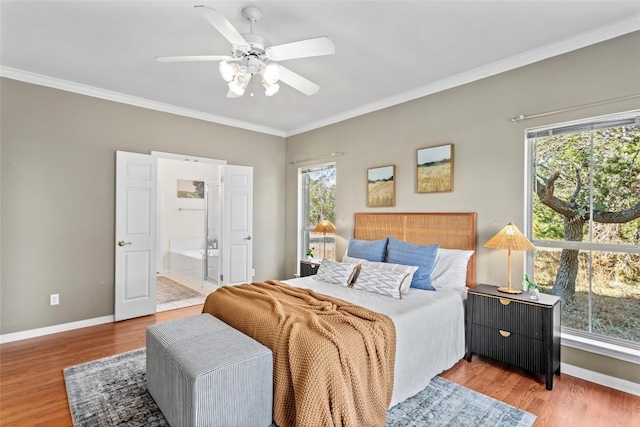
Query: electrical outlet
x,y
54,299
253,272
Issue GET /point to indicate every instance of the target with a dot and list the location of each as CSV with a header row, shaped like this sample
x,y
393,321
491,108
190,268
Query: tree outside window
x,y
318,202
585,211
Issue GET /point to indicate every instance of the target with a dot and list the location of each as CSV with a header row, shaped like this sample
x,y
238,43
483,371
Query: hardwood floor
x,y
32,390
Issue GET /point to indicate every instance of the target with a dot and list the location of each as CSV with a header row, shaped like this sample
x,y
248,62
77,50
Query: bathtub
x,y
186,261
188,264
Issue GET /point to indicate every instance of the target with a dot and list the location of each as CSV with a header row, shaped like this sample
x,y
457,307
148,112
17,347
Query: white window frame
x,y
301,199
573,338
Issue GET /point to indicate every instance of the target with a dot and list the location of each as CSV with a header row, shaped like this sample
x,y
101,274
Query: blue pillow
x,y
409,254
371,250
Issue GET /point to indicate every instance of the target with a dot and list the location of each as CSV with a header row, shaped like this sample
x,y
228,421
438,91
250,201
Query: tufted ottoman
x,y
203,372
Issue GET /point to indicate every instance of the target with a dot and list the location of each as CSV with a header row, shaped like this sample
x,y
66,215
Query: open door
x,y
237,225
135,239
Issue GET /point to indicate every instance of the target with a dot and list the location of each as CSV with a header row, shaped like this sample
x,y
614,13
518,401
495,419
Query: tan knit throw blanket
x,y
333,360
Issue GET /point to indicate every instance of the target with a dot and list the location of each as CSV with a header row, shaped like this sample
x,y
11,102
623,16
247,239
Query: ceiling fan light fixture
x,y
228,71
253,54
270,88
239,83
270,73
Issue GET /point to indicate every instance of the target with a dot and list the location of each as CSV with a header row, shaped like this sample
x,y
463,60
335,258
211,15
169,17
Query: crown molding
x,y
576,42
579,41
52,82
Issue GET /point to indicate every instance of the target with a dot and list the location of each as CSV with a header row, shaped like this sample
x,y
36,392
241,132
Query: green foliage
x,y
614,169
569,166
547,224
322,196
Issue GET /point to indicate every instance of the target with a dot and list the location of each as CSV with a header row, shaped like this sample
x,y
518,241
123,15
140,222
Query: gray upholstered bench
x,y
203,372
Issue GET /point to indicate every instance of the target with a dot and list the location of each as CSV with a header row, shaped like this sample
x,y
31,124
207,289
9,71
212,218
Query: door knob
x,y
247,238
122,243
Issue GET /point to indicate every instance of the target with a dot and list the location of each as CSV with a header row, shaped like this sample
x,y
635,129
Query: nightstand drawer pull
x,y
504,333
505,301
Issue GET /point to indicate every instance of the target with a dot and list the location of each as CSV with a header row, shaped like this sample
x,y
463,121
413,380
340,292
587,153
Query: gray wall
x,y
58,195
58,165
489,149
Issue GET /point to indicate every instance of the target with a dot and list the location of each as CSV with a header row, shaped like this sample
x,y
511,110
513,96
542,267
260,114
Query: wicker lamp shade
x,y
510,238
325,226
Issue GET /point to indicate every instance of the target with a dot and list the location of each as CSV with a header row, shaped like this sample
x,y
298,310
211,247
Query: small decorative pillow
x,y
352,260
424,257
409,270
450,270
371,250
383,282
337,273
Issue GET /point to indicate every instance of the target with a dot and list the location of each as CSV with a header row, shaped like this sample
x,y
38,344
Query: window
x,y
317,201
584,219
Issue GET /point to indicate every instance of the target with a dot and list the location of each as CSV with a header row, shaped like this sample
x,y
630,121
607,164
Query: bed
x,y
429,326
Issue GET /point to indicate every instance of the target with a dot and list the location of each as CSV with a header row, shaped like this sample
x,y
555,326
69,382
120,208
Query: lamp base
x,y
510,290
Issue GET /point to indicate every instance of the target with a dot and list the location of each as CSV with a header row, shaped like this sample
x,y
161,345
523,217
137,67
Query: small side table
x,y
514,329
308,267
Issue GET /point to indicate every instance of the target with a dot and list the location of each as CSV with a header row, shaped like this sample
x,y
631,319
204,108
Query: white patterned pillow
x,y
409,270
379,281
337,273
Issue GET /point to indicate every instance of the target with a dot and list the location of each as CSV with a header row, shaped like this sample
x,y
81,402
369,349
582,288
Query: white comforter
x,y
429,330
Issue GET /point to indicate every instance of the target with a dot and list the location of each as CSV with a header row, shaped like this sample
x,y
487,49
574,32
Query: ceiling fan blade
x,y
232,94
301,49
222,24
195,58
298,82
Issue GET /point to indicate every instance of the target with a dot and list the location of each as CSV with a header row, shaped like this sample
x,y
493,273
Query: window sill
x,y
599,347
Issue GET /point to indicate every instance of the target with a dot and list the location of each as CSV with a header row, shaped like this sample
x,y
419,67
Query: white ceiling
x,y
387,52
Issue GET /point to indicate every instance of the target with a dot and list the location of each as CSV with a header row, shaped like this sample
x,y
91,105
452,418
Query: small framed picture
x,y
190,189
435,169
381,186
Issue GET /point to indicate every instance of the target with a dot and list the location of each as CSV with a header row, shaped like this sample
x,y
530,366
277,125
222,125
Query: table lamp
x,y
325,226
510,238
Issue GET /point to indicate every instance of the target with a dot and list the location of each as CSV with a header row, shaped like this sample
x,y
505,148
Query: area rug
x,y
113,392
169,290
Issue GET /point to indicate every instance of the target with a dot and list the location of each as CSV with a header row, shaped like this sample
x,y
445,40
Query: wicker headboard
x,y
450,230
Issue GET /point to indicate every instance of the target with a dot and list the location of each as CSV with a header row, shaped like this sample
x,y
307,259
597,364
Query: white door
x,y
237,225
135,239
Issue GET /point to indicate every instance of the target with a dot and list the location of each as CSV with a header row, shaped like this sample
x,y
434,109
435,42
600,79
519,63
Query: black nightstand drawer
x,y
509,347
308,268
506,314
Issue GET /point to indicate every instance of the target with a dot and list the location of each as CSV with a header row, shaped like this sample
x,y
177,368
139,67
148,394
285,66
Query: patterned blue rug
x,y
112,392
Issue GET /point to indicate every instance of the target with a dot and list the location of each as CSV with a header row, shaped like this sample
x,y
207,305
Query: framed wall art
x,y
435,169
190,189
381,186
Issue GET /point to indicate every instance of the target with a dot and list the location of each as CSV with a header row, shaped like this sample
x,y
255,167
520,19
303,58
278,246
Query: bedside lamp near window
x,y
325,226
510,238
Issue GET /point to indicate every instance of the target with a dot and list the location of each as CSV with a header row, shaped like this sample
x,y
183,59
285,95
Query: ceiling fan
x,y
252,55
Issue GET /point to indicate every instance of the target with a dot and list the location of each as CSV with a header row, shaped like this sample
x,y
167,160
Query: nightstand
x,y
514,329
308,268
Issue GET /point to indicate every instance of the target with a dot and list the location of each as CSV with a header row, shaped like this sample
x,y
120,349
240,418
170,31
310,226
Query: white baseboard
x,y
32,333
602,379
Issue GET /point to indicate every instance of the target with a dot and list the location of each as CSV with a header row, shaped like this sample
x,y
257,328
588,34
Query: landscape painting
x,y
435,169
381,186
190,189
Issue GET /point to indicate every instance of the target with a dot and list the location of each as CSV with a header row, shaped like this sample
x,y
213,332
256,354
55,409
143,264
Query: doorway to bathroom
x,y
189,211
203,221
